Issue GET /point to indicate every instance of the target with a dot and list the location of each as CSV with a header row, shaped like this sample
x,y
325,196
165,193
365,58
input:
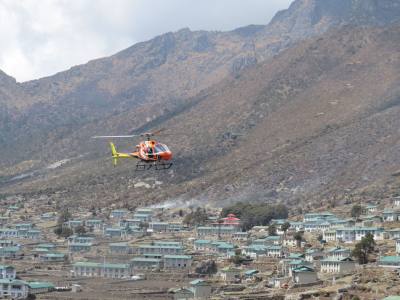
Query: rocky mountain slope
x,y
314,121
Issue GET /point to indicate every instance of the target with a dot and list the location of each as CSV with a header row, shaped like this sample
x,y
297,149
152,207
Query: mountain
x,y
257,112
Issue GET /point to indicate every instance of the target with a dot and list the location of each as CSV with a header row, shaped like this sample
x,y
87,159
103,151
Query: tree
x,y
255,214
80,230
363,248
63,231
298,236
63,217
197,217
285,226
272,230
207,268
356,211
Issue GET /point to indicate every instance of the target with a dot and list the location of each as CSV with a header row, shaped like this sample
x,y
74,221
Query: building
x,y
79,247
182,293
159,226
393,234
230,274
351,234
120,248
146,263
177,261
304,275
7,272
341,266
314,254
36,287
13,288
390,215
396,201
106,270
201,289
201,245
329,235
94,224
338,253
119,213
10,252
158,249
223,231
52,257
116,232
397,246
389,261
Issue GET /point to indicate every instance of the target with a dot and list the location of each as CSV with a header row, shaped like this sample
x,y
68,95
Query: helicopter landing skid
x,y
157,166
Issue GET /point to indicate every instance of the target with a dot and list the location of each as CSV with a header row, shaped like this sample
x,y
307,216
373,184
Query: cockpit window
x,y
161,148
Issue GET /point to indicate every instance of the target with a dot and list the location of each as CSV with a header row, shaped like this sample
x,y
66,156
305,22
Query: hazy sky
x,y
40,38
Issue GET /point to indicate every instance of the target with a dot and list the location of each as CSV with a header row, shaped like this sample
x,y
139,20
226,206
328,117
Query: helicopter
x,y
149,153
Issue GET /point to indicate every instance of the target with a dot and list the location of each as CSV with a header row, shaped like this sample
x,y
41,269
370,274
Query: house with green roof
x,y
158,249
119,213
201,288
390,215
392,298
181,293
13,288
52,257
389,261
7,272
79,247
10,252
337,265
120,248
304,275
201,245
177,261
146,263
37,287
106,270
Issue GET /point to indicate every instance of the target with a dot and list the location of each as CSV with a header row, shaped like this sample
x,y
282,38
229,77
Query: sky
x,y
41,38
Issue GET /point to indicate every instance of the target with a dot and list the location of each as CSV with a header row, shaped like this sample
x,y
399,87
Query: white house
x,y
7,272
106,270
396,201
13,288
398,246
338,253
329,235
332,265
313,254
390,215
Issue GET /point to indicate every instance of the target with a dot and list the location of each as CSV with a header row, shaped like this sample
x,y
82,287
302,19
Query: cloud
x,y
41,38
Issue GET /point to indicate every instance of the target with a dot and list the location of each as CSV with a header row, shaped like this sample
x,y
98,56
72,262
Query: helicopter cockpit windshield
x,y
161,148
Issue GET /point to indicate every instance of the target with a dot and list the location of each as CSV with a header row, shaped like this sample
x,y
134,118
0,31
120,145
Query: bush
x,y
256,214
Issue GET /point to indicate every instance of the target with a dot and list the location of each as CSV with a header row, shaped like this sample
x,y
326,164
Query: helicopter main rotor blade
x,y
113,136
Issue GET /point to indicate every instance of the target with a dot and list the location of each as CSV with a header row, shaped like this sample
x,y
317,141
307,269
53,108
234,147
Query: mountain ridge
x,y
220,92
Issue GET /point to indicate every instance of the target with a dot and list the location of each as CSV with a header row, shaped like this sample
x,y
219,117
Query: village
x,y
349,252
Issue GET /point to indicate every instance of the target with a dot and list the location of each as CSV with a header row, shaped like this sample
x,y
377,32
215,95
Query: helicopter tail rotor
x,y
114,153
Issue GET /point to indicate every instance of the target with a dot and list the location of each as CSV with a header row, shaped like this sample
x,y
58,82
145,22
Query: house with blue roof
x,y
39,287
201,245
201,288
52,257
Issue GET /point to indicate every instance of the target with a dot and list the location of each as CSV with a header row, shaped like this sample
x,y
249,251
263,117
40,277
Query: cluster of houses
x,y
143,242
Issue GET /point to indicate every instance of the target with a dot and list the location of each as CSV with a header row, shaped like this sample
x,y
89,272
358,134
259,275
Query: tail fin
x,y
114,153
